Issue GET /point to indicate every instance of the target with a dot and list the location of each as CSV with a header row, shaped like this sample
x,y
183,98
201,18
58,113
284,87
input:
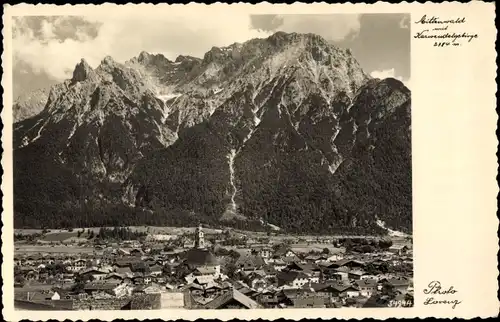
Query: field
x,y
33,249
304,242
57,234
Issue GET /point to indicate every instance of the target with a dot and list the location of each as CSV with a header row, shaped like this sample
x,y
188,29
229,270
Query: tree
x,y
367,249
385,243
388,290
19,279
166,270
234,254
230,269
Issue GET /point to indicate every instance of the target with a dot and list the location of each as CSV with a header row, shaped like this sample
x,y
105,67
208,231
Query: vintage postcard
x,y
295,161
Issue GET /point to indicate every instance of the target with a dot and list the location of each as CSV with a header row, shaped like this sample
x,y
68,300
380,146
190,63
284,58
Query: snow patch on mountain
x,y
167,97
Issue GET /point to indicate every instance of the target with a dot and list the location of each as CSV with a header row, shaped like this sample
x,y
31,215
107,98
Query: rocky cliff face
x,y
287,130
29,104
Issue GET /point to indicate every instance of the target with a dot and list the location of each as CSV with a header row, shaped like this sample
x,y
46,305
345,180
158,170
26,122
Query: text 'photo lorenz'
x,y
195,168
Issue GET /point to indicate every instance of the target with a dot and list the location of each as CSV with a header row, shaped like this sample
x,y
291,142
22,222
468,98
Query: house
x,y
399,284
256,280
249,262
94,272
98,288
269,270
140,279
232,299
203,280
126,262
188,243
347,291
77,265
336,254
264,252
350,263
292,279
156,270
152,288
213,271
341,273
367,287
55,297
279,265
284,251
309,269
39,296
148,278
286,297
356,274
315,258
114,278
268,299
398,249
124,271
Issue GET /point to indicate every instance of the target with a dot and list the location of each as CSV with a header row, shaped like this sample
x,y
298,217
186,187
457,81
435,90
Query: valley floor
x,y
195,268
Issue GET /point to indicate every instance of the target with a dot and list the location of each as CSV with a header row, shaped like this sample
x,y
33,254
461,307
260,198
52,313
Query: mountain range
x,y
286,131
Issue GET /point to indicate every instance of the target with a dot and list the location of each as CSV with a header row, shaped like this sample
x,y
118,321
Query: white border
x,y
454,163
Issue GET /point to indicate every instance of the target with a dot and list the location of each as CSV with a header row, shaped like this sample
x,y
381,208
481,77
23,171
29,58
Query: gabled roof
x,y
124,270
398,247
269,269
232,295
92,270
357,272
204,279
253,260
398,281
343,269
156,268
287,277
281,251
206,270
305,267
114,275
289,259
342,287
366,283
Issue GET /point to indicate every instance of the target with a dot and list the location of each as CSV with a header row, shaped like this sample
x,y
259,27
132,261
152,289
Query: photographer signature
x,y
438,292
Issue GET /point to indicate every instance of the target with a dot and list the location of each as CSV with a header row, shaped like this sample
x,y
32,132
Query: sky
x,y
47,48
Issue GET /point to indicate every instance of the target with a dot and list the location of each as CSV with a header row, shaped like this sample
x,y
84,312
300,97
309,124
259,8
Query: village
x,y
208,269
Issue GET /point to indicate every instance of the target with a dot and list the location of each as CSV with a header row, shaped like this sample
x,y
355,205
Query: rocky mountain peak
x,y
146,58
108,61
183,58
204,136
83,71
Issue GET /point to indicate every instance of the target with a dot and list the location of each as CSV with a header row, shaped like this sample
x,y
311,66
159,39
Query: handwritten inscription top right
x,y
439,30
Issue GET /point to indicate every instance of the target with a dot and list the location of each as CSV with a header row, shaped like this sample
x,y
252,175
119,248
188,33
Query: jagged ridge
x,y
284,128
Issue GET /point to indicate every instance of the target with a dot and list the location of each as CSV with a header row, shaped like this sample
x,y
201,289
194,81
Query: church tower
x,y
199,238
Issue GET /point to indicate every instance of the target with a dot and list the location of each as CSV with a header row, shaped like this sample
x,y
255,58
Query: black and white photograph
x,y
212,161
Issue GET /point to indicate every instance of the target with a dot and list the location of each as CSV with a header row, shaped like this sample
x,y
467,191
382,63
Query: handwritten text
x,y
437,29
440,295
